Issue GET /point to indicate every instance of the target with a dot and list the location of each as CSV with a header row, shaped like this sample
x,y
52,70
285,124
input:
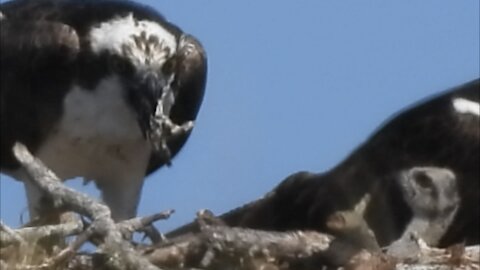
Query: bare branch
x,y
216,246
9,236
138,223
122,253
33,234
145,224
221,245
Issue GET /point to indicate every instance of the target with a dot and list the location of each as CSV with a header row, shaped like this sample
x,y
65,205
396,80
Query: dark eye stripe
x,y
169,66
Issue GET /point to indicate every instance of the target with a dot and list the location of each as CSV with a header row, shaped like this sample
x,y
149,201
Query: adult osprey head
x,y
95,89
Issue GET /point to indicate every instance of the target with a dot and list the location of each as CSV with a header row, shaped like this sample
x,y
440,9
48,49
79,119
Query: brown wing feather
x,y
29,52
37,38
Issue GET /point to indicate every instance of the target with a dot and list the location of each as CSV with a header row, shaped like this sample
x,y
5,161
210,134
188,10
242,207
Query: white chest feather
x,y
97,136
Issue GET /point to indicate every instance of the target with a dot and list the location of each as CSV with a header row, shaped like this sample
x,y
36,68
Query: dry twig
x,y
216,246
121,252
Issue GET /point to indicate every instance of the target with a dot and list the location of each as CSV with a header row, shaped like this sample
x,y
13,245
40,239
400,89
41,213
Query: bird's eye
x,y
423,180
169,66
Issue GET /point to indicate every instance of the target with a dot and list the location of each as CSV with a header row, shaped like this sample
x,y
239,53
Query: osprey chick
x,y
432,195
106,90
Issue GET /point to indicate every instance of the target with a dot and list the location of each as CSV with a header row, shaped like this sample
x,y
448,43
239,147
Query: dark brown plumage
x,y
430,133
76,78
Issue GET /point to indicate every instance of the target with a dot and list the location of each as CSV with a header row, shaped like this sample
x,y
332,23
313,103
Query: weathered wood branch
x,y
10,236
222,247
216,246
219,247
139,223
121,252
35,233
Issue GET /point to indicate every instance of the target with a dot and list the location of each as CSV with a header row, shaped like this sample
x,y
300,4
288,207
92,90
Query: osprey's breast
x,y
101,113
98,133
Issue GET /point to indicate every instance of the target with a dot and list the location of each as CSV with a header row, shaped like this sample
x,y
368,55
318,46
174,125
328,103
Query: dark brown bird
x,y
442,131
89,85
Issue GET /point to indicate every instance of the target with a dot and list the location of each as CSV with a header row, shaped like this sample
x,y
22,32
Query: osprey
x,y
101,89
442,132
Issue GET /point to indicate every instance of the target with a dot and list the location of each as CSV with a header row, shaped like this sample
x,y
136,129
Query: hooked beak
x,y
145,95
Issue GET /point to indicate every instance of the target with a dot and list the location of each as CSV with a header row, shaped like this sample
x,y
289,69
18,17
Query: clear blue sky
x,y
296,85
